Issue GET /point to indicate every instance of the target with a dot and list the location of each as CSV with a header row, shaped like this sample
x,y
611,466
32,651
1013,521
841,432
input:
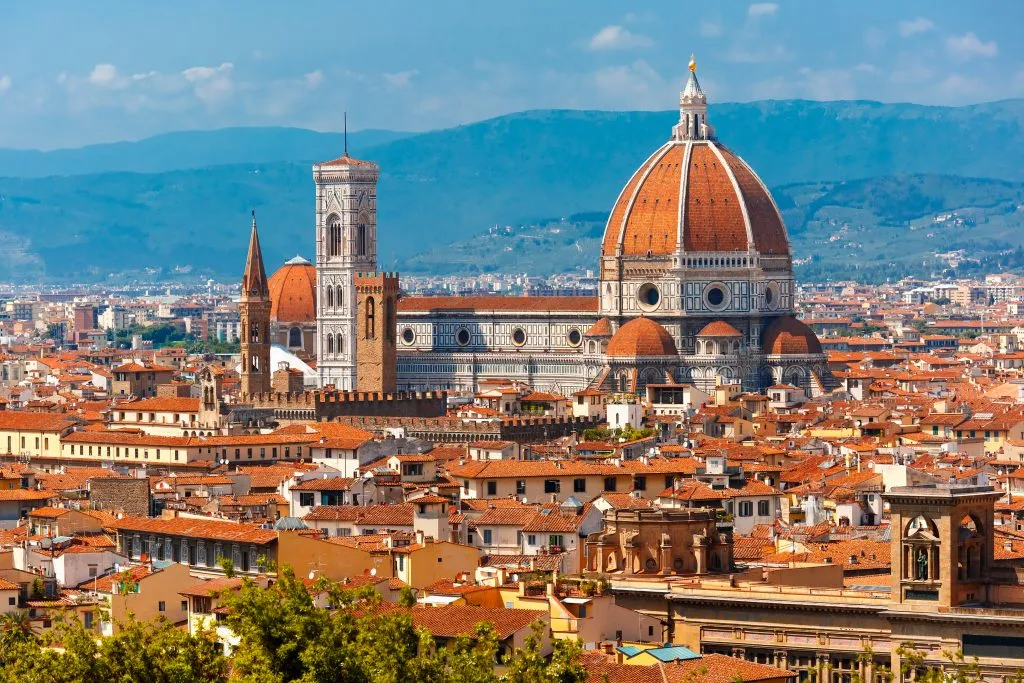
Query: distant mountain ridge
x,y
188,149
446,186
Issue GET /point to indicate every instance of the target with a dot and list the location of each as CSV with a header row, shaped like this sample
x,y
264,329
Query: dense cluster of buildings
x,y
703,471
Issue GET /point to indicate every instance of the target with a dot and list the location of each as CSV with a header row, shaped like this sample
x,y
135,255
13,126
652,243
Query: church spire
x,y
254,279
693,110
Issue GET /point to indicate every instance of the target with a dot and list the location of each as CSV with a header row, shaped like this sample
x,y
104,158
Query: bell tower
x,y
254,311
942,544
346,244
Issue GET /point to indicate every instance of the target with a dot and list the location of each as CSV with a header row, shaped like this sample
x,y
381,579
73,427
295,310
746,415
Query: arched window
x,y
339,296
371,316
254,333
295,338
333,235
330,345
330,296
360,240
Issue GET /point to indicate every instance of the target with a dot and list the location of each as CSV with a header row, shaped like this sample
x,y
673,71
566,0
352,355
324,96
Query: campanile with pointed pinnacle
x,y
254,311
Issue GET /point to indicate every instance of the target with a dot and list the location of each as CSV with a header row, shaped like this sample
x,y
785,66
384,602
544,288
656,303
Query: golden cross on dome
x,y
693,64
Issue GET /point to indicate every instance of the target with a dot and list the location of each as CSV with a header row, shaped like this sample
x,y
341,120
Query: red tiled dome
x,y
602,328
293,292
719,328
725,205
641,337
789,336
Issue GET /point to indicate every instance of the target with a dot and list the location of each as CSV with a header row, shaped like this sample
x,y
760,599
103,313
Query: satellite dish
x,y
373,572
515,578
312,574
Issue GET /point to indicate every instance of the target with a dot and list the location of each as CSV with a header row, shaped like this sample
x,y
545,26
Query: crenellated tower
x,y
346,244
254,310
376,333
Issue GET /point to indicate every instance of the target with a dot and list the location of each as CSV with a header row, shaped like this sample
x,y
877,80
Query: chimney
x,y
419,537
1008,546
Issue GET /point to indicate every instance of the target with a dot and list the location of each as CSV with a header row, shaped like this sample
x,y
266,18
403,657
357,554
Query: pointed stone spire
x,y
693,110
254,279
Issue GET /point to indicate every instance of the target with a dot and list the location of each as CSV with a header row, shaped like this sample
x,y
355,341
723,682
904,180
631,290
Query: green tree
x,y
528,665
406,597
227,566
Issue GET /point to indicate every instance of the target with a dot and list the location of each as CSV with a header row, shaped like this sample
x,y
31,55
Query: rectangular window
x,y
762,508
531,540
579,485
184,605
640,483
161,606
555,540
306,499
552,486
609,483
492,488
520,488
487,537
746,508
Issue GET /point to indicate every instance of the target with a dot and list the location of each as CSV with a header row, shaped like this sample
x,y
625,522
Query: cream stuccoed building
x,y
696,283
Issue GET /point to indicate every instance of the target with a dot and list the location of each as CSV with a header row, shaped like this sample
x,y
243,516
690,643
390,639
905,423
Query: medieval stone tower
x,y
346,244
254,310
376,331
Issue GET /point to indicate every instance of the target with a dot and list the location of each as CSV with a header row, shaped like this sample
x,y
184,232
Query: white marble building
x,y
696,283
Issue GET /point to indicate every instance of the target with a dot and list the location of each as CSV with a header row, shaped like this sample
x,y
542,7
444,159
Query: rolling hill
x,y
190,207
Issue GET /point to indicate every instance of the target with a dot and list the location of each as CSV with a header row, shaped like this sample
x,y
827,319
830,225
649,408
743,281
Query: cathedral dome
x,y
293,292
694,195
641,337
789,336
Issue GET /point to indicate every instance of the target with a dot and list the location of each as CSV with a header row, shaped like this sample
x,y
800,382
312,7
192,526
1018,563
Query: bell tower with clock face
x,y
346,244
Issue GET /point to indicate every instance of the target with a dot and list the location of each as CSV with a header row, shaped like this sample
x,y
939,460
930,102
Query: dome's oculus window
x,y
462,337
408,335
519,336
649,297
716,296
575,338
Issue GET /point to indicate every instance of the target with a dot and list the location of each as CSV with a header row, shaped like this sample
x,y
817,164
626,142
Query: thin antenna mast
x,y
346,133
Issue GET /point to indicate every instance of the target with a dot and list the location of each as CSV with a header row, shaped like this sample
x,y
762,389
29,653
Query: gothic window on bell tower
x,y
361,239
330,297
254,333
333,235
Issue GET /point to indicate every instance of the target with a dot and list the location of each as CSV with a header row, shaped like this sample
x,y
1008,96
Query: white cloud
x,y
762,9
202,73
103,75
969,45
401,79
874,38
711,29
618,38
5,84
635,86
751,54
911,27
314,78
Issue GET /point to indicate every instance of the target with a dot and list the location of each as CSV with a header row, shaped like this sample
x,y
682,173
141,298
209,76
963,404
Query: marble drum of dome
x,y
695,231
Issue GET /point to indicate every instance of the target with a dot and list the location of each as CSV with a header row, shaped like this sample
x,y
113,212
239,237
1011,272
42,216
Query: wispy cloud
x,y
614,37
762,9
313,79
912,27
401,79
5,84
969,45
104,75
711,29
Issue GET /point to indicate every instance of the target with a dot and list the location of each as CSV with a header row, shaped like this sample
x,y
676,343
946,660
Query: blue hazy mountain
x,y
183,199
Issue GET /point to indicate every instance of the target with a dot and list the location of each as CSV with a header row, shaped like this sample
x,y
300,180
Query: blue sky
x,y
74,73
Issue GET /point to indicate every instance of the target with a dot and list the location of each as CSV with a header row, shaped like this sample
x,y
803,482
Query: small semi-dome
x,y
602,328
719,328
641,337
787,336
293,292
